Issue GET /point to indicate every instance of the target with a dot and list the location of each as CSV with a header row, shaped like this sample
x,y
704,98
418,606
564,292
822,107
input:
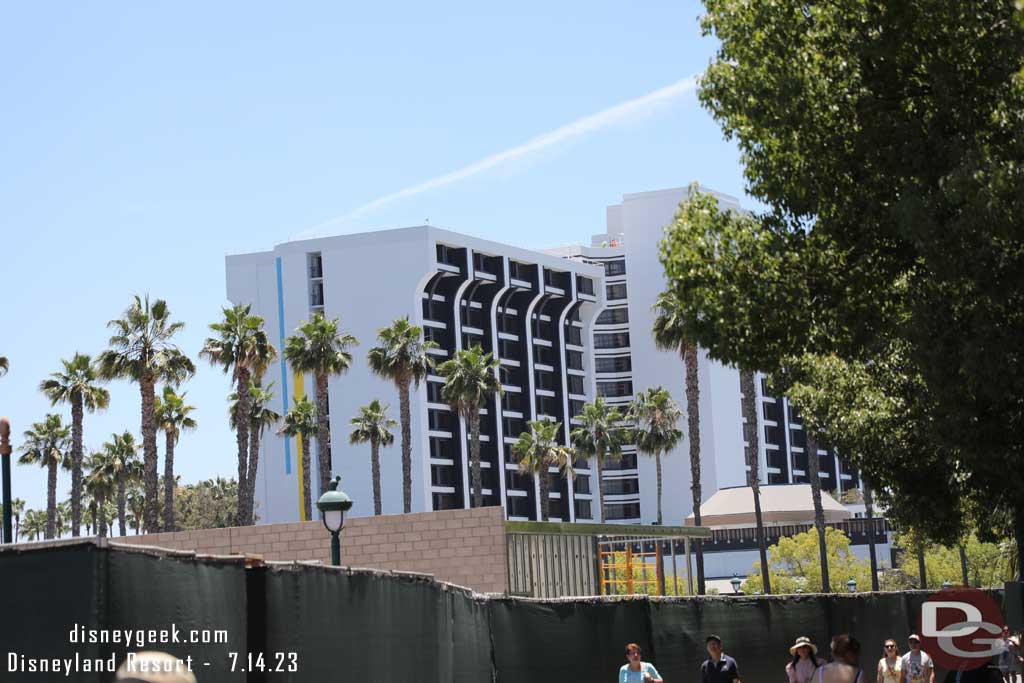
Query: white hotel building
x,y
567,324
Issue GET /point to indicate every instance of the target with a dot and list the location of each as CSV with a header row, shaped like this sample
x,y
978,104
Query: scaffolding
x,y
637,565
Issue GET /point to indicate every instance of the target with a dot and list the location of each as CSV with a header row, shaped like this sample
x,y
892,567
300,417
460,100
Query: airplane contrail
x,y
618,113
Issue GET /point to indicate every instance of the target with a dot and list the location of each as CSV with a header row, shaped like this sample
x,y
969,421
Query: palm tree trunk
x,y
168,486
103,517
306,493
147,387
406,420
813,468
544,484
51,498
323,432
600,484
922,572
17,527
375,474
474,456
963,565
693,426
76,464
754,476
121,505
657,468
242,439
255,436
869,511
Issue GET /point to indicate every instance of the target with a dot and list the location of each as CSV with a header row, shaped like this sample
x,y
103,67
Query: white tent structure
x,y
780,504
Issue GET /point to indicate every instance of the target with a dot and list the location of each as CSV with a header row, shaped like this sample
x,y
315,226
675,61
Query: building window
x,y
547,406
585,285
440,420
437,335
613,364
574,360
442,475
772,411
520,506
545,380
615,292
449,255
513,401
316,265
544,355
583,509
617,267
434,392
575,407
445,501
316,293
615,389
582,484
613,340
622,510
509,349
620,487
613,316
576,385
797,438
574,336
513,427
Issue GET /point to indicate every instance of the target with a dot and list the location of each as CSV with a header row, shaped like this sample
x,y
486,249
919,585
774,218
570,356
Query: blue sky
x,y
144,141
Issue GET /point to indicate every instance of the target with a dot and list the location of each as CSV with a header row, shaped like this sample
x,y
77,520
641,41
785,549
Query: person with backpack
x,y
844,667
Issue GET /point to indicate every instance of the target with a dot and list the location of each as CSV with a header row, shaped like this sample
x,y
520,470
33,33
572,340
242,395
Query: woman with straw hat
x,y
805,661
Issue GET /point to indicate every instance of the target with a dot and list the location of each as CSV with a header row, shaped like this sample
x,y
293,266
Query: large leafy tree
x,y
120,461
401,356
882,140
300,421
539,450
655,417
319,348
373,426
142,350
173,416
76,385
46,445
670,334
207,504
599,435
469,378
261,416
240,346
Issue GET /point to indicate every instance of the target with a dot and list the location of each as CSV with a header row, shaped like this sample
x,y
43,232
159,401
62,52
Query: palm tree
x,y
749,407
76,385
813,469
17,510
99,483
142,350
402,357
301,422
46,445
599,436
173,417
655,416
5,365
469,378
261,416
539,450
242,348
63,517
34,524
320,349
670,334
136,500
120,458
869,513
372,425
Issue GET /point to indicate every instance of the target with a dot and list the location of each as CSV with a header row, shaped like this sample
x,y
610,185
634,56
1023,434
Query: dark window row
x,y
615,267
620,487
316,264
613,364
615,389
584,285
622,510
576,384
615,292
613,340
574,360
545,380
613,316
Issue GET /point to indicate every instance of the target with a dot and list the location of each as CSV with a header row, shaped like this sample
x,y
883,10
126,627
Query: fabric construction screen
x,y
341,625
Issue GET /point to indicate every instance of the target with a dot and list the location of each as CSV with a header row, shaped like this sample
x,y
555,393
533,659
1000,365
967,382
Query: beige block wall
x,y
464,547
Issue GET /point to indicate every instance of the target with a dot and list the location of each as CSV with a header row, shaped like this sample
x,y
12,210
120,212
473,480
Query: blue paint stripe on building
x,y
284,365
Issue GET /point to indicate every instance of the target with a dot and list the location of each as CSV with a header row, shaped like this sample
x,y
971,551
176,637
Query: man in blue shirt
x,y
718,667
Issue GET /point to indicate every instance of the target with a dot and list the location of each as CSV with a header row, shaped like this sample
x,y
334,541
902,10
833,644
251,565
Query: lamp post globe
x,y
851,585
334,504
735,581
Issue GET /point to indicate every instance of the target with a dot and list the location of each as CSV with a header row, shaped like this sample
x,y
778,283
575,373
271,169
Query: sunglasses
x,y
890,647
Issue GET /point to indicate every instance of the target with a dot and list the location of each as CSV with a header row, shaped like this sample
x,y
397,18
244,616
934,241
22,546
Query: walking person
x,y
805,661
890,666
718,667
1009,660
844,667
917,665
635,670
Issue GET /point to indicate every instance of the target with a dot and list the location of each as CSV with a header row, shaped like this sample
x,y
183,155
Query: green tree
x,y
539,451
670,334
120,460
76,385
261,416
373,426
401,356
34,524
142,350
599,435
207,504
655,417
100,485
242,348
46,444
173,416
320,349
796,563
882,141
469,378
300,421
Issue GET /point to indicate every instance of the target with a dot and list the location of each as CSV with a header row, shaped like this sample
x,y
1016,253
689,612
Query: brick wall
x,y
464,547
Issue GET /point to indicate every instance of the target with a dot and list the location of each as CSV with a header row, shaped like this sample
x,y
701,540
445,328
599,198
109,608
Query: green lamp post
x,y
334,504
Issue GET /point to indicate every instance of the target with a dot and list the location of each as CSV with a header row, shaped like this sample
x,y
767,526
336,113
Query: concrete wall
x,y
464,547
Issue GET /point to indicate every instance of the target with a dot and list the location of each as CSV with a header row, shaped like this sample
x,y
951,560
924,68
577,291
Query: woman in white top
x,y
890,666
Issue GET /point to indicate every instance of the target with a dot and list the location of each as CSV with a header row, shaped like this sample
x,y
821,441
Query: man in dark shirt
x,y
718,667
